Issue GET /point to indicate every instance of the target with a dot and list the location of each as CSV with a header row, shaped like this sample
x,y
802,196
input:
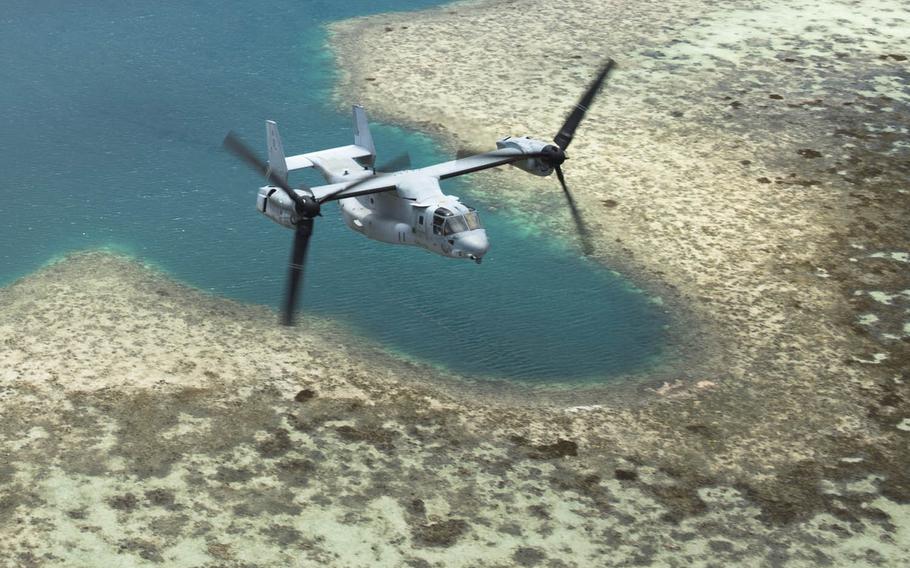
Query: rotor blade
x,y
331,196
564,137
583,232
236,146
295,273
398,163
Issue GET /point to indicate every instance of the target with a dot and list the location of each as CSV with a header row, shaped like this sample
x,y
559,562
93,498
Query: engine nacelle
x,y
277,206
528,145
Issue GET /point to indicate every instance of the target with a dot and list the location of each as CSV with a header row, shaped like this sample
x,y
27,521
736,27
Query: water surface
x,y
112,118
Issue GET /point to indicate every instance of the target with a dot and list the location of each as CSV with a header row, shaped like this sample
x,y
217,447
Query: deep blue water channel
x,y
111,118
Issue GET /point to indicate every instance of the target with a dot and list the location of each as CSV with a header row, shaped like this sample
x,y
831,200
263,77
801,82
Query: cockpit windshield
x,y
460,223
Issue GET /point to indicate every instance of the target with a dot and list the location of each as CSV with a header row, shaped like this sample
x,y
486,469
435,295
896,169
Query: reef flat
x,y
751,163
144,422
751,158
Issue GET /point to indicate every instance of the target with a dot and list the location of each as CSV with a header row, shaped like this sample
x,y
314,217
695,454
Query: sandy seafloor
x,y
749,161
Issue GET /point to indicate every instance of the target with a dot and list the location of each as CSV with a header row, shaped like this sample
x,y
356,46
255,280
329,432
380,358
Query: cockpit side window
x,y
472,220
439,219
455,225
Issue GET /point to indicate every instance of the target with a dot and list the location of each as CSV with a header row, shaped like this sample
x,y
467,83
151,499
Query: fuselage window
x,y
439,219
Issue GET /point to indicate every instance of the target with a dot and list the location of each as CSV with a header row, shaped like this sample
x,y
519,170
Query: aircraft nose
x,y
474,243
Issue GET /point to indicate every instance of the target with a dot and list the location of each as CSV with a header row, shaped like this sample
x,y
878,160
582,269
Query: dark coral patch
x,y
559,449
126,502
277,444
626,474
528,556
304,395
441,534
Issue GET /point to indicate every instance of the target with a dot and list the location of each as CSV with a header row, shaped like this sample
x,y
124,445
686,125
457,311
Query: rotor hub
x,y
307,207
553,155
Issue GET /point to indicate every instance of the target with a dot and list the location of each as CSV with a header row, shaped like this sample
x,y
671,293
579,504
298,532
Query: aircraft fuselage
x,y
416,213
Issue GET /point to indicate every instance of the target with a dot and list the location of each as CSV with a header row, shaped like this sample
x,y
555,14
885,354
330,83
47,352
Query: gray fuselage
x,y
415,213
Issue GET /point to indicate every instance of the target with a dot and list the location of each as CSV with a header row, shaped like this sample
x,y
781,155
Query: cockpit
x,y
445,222
459,232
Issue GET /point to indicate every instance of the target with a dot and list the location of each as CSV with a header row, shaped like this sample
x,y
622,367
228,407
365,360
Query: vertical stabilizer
x,y
277,164
362,136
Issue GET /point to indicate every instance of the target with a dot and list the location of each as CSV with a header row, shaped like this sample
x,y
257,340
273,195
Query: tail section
x,y
277,164
361,152
362,136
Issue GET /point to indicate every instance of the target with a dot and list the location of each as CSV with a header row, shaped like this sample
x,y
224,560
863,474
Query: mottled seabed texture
x,y
751,161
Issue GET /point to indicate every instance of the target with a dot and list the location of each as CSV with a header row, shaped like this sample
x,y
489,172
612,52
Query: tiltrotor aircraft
x,y
396,204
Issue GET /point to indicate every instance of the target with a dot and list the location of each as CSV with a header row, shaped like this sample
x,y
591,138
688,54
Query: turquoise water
x,y
112,118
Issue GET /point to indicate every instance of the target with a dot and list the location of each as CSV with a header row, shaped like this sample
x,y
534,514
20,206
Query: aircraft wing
x,y
374,184
473,163
389,181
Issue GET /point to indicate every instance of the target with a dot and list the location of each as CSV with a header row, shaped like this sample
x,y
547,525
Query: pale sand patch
x,y
736,157
663,142
712,164
898,256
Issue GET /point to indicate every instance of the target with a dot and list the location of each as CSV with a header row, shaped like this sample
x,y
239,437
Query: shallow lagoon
x,y
114,119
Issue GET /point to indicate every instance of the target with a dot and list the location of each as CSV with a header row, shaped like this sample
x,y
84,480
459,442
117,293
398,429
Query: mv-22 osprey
x,y
405,207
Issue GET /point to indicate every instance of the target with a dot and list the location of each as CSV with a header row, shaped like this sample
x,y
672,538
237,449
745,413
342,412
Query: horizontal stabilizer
x,y
298,162
301,161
